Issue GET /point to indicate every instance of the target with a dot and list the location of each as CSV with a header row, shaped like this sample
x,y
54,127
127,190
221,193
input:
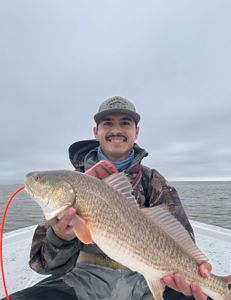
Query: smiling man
x,y
55,248
116,128
116,134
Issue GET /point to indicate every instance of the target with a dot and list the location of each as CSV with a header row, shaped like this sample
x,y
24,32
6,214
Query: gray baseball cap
x,y
116,104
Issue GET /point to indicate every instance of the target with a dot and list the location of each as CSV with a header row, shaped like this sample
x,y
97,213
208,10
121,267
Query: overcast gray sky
x,y
60,59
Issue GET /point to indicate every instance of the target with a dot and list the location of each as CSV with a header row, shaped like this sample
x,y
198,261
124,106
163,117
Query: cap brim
x,y
99,116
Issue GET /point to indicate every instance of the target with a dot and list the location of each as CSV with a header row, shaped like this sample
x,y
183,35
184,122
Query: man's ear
x,y
95,131
137,131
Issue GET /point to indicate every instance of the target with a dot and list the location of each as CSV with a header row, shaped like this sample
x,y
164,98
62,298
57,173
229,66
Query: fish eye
x,y
36,177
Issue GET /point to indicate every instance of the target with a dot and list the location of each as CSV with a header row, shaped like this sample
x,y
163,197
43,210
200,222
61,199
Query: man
x,y
55,248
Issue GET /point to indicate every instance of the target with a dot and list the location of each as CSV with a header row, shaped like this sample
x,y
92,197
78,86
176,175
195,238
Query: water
x,y
23,210
208,202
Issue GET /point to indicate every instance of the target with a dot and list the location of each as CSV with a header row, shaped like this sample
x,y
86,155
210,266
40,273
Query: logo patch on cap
x,y
114,103
117,104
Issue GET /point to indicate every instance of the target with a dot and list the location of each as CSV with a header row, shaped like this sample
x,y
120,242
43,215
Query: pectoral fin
x,y
81,230
156,288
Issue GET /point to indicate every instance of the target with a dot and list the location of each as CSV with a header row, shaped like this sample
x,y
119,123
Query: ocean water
x,y
208,202
23,210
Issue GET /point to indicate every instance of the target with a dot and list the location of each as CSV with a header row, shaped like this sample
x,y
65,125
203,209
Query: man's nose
x,y
116,129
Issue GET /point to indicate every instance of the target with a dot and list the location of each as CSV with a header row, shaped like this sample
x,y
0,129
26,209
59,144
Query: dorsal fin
x,y
120,182
160,215
170,225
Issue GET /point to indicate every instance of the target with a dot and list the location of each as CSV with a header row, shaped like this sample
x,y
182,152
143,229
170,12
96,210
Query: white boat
x,y
214,241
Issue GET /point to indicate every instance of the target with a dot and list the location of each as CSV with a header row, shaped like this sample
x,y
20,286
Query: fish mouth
x,y
29,190
43,203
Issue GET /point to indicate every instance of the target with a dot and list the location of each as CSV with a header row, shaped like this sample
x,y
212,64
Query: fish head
x,y
51,190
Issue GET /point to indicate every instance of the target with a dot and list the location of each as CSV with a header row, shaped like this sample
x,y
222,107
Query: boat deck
x,y
214,241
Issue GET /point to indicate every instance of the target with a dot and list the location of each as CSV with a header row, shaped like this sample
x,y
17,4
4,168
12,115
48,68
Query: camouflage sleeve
x,y
160,192
51,255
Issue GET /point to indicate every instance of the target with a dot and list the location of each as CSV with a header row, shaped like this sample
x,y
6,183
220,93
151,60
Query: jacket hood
x,y
79,150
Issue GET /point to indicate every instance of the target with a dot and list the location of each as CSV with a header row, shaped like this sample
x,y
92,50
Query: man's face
x,y
116,134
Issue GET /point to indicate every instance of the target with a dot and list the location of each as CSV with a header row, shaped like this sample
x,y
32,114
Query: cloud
x,y
60,60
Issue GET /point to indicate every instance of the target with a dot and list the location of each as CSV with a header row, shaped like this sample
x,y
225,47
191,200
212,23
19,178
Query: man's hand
x,y
178,283
62,227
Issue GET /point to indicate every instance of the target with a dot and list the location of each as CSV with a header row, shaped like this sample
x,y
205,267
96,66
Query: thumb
x,y
205,269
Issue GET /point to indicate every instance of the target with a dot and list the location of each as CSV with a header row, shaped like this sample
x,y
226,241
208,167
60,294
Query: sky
x,y
60,59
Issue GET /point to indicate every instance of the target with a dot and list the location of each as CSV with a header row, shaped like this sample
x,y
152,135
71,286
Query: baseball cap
x,y
116,104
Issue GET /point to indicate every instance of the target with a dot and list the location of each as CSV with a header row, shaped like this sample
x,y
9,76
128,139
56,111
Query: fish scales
x,y
129,226
124,231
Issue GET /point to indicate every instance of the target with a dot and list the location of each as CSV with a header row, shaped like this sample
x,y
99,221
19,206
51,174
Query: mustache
x,y
114,135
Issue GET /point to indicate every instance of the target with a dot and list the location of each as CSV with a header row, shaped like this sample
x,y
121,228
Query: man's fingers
x,y
62,226
205,269
53,221
65,219
197,292
178,283
68,215
169,281
182,285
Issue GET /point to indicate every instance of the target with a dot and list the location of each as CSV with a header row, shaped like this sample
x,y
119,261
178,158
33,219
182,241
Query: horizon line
x,y
176,179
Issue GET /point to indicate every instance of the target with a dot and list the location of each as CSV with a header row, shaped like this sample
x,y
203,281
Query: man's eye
x,y
125,123
107,123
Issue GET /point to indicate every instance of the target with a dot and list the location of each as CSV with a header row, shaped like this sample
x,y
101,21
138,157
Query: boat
x,y
214,241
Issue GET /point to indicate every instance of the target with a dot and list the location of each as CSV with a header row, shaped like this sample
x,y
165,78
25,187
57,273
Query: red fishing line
x,y
101,170
1,238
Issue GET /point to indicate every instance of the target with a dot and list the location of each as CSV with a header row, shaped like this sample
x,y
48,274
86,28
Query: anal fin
x,y
156,288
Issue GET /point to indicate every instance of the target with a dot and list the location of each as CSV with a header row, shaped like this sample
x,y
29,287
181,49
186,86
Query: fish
x,y
150,240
